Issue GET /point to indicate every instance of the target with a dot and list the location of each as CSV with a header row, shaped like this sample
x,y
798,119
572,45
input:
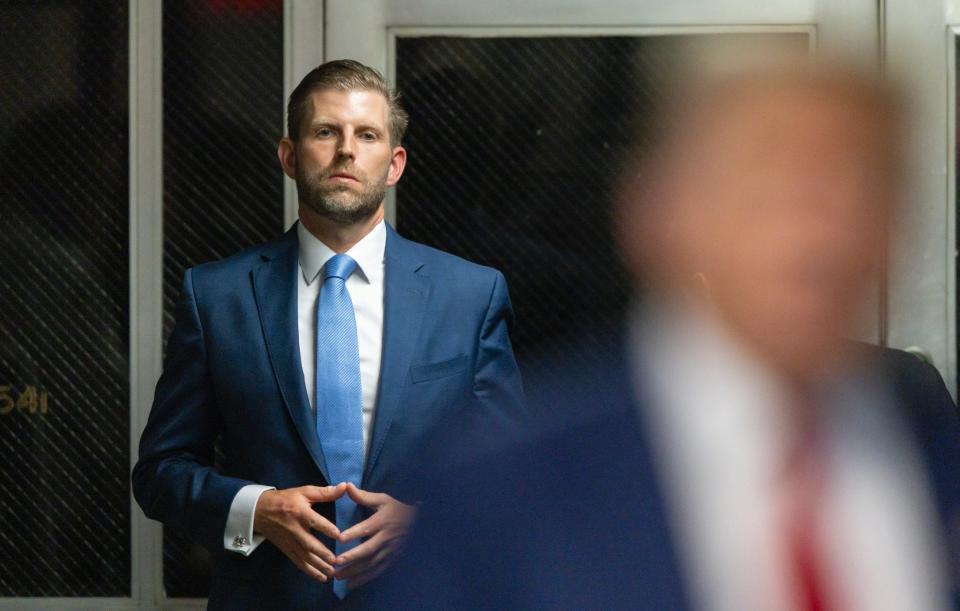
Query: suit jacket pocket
x,y
442,369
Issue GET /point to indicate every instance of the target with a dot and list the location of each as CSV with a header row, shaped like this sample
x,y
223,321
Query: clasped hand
x,y
286,517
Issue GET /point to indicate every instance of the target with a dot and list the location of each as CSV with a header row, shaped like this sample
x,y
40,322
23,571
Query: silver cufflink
x,y
239,541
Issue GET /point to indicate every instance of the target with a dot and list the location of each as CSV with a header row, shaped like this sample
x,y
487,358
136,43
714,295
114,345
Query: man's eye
x,y
369,136
324,132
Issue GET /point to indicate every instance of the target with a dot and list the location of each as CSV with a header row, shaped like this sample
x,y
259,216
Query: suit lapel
x,y
405,299
275,289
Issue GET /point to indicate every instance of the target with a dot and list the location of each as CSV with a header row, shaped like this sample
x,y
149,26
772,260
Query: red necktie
x,y
804,483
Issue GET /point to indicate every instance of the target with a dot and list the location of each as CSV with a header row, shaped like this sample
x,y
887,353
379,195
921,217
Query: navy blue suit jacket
x,y
233,372
571,515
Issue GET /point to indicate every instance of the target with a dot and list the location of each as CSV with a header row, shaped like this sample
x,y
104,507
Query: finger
x,y
367,499
320,524
373,567
309,543
323,494
367,528
365,577
320,564
382,556
354,568
312,571
365,565
364,550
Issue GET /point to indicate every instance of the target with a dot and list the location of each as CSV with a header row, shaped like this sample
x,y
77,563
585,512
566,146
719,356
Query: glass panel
x,y
223,189
514,146
64,320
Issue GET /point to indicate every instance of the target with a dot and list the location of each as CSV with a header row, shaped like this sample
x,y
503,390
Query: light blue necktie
x,y
339,410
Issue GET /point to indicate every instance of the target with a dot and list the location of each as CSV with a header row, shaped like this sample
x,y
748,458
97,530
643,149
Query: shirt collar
x,y
704,380
368,253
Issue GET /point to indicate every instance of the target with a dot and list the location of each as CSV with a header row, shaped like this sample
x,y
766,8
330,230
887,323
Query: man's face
x,y
783,206
344,160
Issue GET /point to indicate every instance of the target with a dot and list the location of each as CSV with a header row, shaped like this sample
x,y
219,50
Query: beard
x,y
339,203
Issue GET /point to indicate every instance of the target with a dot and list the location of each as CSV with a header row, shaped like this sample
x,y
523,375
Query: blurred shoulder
x,y
917,386
575,387
906,370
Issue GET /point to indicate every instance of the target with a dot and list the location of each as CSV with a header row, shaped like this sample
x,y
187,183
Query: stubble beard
x,y
339,203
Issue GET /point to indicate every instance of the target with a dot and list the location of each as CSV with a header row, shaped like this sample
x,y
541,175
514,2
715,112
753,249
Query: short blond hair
x,y
344,75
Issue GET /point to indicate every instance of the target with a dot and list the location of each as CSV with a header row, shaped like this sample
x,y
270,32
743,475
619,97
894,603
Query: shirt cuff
x,y
238,536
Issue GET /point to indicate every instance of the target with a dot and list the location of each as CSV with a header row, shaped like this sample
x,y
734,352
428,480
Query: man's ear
x,y
397,163
287,153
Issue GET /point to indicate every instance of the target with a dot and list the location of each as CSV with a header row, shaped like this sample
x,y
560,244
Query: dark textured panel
x,y
515,145
223,189
64,475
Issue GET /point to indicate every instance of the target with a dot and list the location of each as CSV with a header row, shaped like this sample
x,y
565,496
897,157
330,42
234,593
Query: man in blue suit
x,y
321,361
727,448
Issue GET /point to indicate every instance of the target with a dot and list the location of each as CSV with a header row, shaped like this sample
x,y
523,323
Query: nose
x,y
346,146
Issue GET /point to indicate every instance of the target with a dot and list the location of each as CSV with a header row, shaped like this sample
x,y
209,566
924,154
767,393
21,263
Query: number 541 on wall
x,y
30,400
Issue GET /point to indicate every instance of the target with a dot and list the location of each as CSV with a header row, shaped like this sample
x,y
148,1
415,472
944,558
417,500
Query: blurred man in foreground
x,y
738,453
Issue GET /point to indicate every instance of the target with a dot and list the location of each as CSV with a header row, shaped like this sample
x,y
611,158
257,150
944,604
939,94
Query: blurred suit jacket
x,y
233,370
572,516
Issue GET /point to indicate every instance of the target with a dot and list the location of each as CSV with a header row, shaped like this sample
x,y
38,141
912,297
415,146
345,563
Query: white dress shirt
x,y
718,421
365,286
